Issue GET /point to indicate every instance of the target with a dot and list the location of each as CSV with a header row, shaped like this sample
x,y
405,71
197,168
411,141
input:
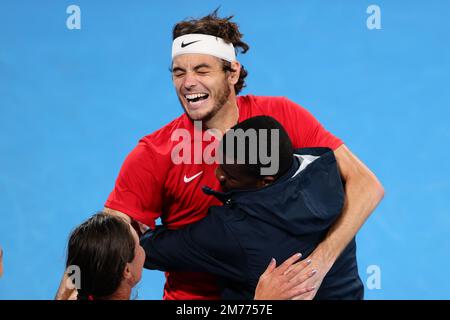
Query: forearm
x,y
192,249
363,194
170,250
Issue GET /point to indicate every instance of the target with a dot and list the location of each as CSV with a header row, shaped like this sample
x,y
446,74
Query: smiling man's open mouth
x,y
196,97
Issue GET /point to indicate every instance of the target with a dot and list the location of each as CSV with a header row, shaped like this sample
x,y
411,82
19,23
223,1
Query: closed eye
x,y
178,74
177,71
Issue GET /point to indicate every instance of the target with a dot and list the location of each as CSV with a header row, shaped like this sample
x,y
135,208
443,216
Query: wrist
x,y
326,254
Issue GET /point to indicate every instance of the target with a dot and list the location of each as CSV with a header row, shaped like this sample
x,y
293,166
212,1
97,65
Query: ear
x,y
127,275
234,76
267,180
219,174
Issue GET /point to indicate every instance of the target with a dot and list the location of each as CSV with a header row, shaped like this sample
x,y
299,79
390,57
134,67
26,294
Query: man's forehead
x,y
230,167
191,60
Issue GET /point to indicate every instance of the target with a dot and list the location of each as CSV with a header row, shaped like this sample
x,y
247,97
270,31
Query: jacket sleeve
x,y
205,246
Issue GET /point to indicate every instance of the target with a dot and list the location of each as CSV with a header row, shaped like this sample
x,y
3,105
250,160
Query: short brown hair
x,y
223,28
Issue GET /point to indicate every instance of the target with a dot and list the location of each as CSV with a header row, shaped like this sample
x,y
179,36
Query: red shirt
x,y
151,186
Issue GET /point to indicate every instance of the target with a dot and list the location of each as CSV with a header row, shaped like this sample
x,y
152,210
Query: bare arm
x,y
363,193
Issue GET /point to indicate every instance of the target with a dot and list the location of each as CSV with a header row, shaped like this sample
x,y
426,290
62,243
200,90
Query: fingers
x,y
302,293
302,277
299,281
306,284
73,295
272,265
298,268
288,263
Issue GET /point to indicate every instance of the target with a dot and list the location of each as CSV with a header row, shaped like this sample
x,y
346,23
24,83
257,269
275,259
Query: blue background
x,y
73,103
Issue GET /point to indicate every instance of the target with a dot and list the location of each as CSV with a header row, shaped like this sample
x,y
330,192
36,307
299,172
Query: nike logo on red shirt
x,y
186,179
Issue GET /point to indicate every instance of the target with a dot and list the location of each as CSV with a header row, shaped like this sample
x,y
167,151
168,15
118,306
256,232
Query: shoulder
x,y
290,114
162,137
276,106
262,102
155,149
225,214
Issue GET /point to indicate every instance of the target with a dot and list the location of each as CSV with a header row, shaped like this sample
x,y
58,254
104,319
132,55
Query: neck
x,y
122,293
226,117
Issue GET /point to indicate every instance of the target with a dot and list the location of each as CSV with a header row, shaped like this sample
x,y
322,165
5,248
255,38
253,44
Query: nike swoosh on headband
x,y
186,44
197,43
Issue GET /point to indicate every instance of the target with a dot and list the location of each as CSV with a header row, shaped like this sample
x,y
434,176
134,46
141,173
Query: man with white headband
x,y
208,78
204,44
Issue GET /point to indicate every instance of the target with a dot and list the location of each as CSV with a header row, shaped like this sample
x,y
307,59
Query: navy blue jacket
x,y
237,240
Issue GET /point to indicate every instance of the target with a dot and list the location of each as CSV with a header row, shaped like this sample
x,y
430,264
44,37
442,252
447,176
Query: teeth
x,y
195,96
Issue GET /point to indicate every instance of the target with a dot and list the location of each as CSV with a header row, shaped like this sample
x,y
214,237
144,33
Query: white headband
x,y
202,43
